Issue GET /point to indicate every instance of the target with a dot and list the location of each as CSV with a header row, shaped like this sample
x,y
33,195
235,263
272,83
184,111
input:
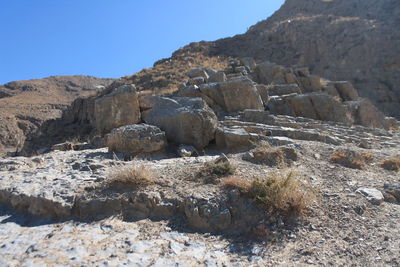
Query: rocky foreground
x,y
185,220
248,164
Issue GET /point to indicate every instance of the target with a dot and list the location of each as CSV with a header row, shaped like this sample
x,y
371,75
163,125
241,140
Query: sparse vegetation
x,y
367,156
238,183
285,194
130,177
350,159
391,164
273,156
210,172
282,193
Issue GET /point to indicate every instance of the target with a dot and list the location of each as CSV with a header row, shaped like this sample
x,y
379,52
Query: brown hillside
x,y
24,105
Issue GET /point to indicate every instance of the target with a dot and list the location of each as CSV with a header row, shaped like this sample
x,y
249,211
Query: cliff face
x,y
354,40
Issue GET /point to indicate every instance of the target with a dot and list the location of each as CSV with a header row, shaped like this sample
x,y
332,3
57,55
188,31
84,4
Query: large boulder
x,y
318,106
311,83
236,139
366,114
119,108
284,89
268,72
346,90
234,95
185,120
136,139
217,77
200,72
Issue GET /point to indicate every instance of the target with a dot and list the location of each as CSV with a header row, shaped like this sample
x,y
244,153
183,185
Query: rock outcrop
x,y
185,120
119,108
136,139
356,41
229,96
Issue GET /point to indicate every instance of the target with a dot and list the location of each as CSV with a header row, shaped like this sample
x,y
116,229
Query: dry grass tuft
x,y
210,172
285,194
367,156
391,164
272,156
130,177
234,182
349,159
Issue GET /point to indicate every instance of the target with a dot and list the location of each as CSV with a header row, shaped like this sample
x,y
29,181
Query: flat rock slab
x,y
108,242
373,195
48,184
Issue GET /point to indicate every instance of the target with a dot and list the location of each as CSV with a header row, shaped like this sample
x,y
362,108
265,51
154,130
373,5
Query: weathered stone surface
x,y
315,106
393,190
217,77
196,81
373,195
249,62
235,95
311,83
187,151
200,72
119,108
274,156
136,139
284,89
268,72
366,114
185,120
62,147
345,90
280,105
331,90
329,36
263,90
235,139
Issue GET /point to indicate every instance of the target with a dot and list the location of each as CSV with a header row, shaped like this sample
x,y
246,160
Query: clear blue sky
x,y
111,38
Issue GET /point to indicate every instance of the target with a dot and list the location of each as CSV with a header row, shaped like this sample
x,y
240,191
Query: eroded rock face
x,y
315,106
230,96
355,40
185,120
121,107
235,139
136,139
365,113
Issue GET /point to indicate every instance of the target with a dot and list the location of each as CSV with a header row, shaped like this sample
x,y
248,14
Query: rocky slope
x,y
151,186
25,105
357,41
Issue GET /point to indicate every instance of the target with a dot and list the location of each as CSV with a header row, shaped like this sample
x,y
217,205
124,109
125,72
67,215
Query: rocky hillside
x,y
353,40
25,105
256,150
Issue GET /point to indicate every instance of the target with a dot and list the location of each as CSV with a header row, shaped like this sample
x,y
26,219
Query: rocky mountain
x,y
25,105
357,41
238,152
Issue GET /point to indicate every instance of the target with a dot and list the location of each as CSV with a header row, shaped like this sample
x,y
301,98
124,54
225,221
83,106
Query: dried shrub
x,y
272,156
130,177
282,193
367,156
348,158
210,172
391,164
234,182
285,194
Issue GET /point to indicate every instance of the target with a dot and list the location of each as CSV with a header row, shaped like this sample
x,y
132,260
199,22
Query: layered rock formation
x,y
357,41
